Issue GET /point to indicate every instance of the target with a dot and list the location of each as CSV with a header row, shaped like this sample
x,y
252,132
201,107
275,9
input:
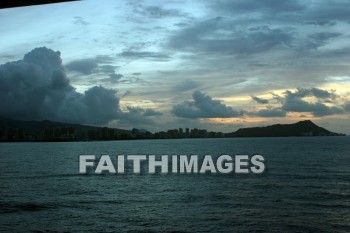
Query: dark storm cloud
x,y
203,106
36,88
100,104
260,100
294,102
185,86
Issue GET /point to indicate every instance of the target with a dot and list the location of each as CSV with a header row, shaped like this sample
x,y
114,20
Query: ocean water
x,y
305,188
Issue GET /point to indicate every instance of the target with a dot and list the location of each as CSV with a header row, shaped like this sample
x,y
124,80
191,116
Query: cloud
x,y
347,107
157,12
217,36
260,100
80,21
321,23
324,13
36,88
317,109
203,106
295,45
323,36
137,117
107,68
113,78
319,39
185,86
84,66
269,112
143,111
294,102
100,64
128,92
101,105
305,92
335,10
140,55
116,76
277,98
151,112
267,6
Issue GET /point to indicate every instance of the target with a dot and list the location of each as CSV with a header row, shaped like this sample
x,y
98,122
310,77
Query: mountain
x,y
18,130
301,128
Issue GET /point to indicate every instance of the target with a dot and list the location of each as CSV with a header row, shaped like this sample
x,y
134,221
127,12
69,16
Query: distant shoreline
x,y
49,131
153,139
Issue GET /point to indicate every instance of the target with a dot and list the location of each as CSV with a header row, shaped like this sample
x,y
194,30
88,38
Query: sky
x,y
219,65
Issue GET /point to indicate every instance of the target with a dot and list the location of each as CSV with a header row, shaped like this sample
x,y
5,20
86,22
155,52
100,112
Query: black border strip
x,y
19,3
